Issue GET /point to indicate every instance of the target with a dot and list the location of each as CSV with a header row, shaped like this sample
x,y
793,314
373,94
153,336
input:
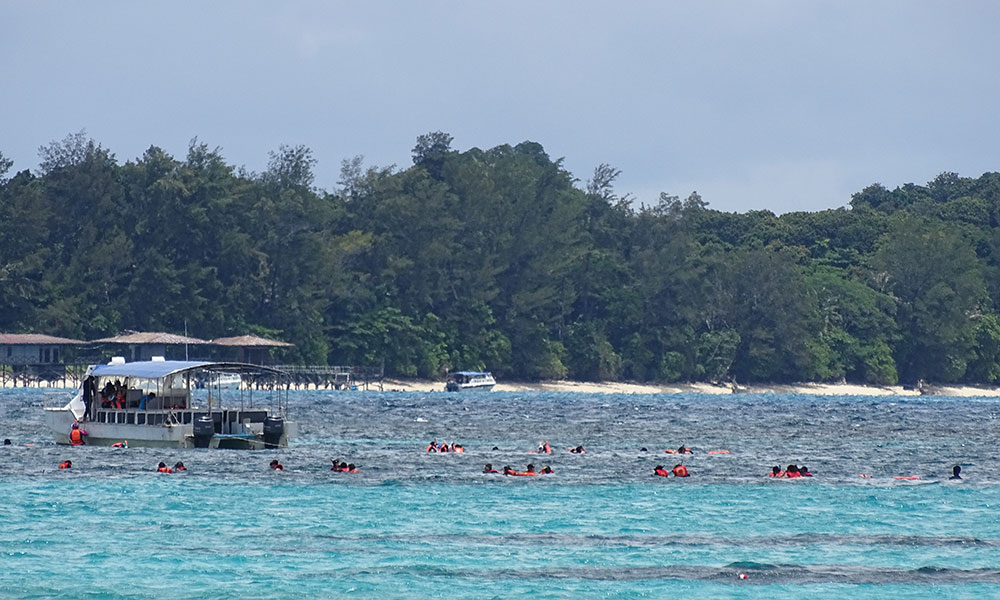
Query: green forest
x,y
502,260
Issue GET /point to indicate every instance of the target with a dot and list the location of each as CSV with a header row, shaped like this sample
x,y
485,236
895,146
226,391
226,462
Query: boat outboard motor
x,y
204,431
274,427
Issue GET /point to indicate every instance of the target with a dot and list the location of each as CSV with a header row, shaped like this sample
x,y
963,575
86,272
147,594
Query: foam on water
x,y
415,525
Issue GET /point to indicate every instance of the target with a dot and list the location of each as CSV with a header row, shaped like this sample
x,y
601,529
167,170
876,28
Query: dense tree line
x,y
498,259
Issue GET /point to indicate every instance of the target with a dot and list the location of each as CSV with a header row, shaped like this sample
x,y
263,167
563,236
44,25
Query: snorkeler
x,y
277,466
680,471
955,472
577,450
163,468
544,448
660,471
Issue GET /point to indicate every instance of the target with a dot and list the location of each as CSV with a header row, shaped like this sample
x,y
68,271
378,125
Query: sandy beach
x,y
816,389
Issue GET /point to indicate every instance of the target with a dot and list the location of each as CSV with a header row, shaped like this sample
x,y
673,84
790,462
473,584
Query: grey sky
x,y
780,105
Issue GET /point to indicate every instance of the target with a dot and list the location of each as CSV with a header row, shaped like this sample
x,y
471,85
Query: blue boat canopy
x,y
158,369
471,373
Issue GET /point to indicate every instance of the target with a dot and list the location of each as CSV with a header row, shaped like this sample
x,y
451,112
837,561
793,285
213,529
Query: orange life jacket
x,y
680,471
64,465
661,472
76,437
165,470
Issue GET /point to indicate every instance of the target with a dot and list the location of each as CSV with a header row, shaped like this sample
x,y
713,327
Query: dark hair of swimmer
x,y
180,465
791,469
955,472
803,470
643,449
488,468
351,467
776,470
6,441
531,468
495,448
161,465
546,469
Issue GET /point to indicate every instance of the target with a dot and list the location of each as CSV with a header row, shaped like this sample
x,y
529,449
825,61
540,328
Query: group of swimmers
x,y
791,471
444,447
679,470
529,470
343,467
163,468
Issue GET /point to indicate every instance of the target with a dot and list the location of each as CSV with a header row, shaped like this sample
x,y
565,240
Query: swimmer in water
x,y
544,448
776,472
432,447
335,464
66,464
180,466
804,471
530,471
509,471
685,450
680,471
6,441
163,468
660,471
577,450
791,472
277,466
350,469
955,472
546,470
489,468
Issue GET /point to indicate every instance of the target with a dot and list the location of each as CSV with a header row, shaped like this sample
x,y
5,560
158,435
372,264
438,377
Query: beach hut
x,y
137,345
33,348
249,349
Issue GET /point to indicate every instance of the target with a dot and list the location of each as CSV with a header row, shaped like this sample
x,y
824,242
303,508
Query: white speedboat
x,y
157,404
463,381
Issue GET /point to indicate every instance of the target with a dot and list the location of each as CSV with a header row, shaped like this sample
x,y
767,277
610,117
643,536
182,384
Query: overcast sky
x,y
779,105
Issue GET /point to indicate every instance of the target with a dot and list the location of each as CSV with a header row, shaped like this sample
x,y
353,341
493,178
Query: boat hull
x,y
60,422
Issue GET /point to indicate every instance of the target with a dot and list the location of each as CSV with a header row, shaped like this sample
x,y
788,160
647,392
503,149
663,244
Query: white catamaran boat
x,y
462,381
157,404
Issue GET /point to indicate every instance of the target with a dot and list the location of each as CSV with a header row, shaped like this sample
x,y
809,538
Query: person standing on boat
x,y
76,435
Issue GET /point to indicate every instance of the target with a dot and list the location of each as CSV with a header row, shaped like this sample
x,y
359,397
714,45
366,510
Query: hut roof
x,y
250,341
140,337
14,339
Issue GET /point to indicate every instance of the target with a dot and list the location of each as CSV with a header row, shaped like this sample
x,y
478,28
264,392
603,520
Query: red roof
x,y
14,339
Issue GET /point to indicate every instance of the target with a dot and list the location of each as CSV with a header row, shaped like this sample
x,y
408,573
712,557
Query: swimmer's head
x,y
161,465
956,470
776,470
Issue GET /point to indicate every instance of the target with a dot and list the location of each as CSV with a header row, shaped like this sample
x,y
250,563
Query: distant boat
x,y
465,381
160,406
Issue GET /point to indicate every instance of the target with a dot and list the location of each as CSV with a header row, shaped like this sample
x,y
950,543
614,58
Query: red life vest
x,y
165,470
792,474
76,437
64,464
661,472
680,471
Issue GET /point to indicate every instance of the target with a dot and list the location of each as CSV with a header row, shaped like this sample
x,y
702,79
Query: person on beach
x,y
577,450
277,466
76,435
179,466
955,472
489,468
163,468
66,464
680,471
660,471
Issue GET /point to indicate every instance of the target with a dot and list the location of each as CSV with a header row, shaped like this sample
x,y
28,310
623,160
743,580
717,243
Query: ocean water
x,y
417,525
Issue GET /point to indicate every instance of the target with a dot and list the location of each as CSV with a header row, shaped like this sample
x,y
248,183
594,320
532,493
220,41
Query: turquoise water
x,y
413,525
